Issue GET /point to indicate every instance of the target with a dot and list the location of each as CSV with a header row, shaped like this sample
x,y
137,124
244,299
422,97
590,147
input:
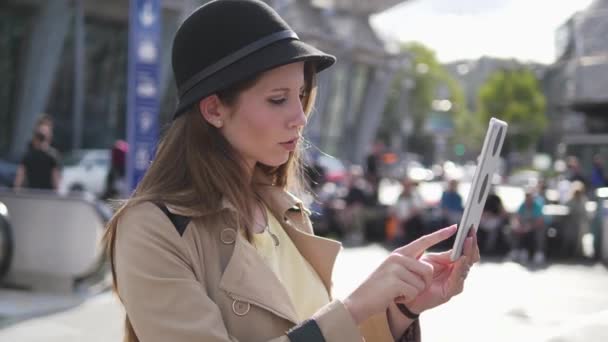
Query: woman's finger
x,y
476,254
457,276
418,247
468,249
414,268
442,258
471,250
423,270
411,279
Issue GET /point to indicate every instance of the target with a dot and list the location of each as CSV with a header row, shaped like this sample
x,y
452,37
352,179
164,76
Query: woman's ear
x,y
210,109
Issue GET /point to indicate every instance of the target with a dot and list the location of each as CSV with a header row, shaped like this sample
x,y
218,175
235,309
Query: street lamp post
x,y
403,108
79,81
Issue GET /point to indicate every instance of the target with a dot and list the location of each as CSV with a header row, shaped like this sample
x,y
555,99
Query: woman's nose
x,y
299,118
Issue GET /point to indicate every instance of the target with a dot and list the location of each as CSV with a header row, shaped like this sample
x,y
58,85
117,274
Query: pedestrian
x,y
577,219
451,203
372,167
212,246
116,182
574,171
40,166
598,177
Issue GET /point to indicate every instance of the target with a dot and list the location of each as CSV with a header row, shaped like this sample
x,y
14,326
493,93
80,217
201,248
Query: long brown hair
x,y
195,167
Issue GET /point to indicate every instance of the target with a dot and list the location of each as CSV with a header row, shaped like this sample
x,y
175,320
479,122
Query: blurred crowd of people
x,y
347,206
355,215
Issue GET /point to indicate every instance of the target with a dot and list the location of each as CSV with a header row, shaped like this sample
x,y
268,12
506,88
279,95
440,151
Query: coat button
x,y
240,308
228,236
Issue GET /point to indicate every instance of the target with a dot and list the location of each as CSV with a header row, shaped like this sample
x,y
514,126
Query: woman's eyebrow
x,y
288,89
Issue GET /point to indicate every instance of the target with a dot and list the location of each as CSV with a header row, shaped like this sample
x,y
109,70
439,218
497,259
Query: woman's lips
x,y
290,145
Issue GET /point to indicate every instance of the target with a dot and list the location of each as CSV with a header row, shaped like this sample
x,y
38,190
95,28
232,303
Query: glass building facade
x,y
348,87
14,24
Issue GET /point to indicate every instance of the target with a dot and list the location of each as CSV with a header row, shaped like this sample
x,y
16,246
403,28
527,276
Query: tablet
x,y
480,186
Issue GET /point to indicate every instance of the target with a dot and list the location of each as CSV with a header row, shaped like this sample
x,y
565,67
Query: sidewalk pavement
x,y
502,302
98,319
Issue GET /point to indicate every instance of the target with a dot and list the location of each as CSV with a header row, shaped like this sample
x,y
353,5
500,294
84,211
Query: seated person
x,y
357,211
493,219
529,223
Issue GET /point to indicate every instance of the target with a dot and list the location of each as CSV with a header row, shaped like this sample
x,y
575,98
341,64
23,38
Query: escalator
x,y
6,242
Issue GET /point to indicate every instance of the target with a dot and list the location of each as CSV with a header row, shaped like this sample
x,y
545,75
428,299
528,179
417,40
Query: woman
x,y
212,246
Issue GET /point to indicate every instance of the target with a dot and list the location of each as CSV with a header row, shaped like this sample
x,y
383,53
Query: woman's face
x,y
265,123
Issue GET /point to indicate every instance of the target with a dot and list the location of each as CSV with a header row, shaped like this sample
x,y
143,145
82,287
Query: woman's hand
x,y
401,276
448,277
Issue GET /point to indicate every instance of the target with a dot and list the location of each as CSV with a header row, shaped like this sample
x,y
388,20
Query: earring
x,y
219,123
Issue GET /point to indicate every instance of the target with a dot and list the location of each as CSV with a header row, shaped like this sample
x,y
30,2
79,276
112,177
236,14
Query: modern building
x,y
69,59
472,74
577,83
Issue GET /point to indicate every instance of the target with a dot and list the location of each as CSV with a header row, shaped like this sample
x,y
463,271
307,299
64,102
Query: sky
x,y
469,29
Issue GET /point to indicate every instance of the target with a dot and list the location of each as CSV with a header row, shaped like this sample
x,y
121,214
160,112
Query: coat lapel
x,y
248,278
320,252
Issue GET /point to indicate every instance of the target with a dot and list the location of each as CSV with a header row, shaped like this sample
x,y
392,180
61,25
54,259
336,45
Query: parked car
x,y
335,171
524,178
85,170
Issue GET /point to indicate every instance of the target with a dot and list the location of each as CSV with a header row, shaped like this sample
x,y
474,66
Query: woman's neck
x,y
250,166
260,217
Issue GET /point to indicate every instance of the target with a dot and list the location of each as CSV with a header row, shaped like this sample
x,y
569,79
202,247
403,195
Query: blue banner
x,y
143,97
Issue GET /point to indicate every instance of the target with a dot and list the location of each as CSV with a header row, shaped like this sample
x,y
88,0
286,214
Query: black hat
x,y
227,41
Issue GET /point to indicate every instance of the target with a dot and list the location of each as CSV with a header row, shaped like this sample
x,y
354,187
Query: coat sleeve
x,y
165,302
412,334
376,329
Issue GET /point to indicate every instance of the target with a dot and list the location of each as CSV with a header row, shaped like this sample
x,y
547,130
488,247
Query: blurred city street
x,y
435,113
501,302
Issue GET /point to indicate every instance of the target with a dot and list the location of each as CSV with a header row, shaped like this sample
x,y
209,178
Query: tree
x,y
516,97
428,77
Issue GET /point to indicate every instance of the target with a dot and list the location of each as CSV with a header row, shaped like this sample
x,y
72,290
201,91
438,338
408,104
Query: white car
x,y
85,170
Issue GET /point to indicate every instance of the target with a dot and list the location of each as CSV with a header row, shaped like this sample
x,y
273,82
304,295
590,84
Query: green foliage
x,y
469,131
427,81
516,97
428,77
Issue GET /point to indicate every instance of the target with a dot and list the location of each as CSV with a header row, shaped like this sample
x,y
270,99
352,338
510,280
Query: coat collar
x,y
247,277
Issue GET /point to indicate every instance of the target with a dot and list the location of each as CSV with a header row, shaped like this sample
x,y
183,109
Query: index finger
x,y
418,247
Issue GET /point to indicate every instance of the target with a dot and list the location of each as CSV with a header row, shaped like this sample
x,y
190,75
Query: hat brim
x,y
277,54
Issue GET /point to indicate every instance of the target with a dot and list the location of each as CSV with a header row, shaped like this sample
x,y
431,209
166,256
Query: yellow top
x,y
303,284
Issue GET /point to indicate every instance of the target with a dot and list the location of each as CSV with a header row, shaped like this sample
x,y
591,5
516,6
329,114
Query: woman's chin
x,y
276,162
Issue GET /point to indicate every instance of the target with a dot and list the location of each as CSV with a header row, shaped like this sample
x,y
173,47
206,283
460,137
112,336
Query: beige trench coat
x,y
186,277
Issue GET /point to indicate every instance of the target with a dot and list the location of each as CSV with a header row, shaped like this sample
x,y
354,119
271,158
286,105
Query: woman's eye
x,y
278,101
302,96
